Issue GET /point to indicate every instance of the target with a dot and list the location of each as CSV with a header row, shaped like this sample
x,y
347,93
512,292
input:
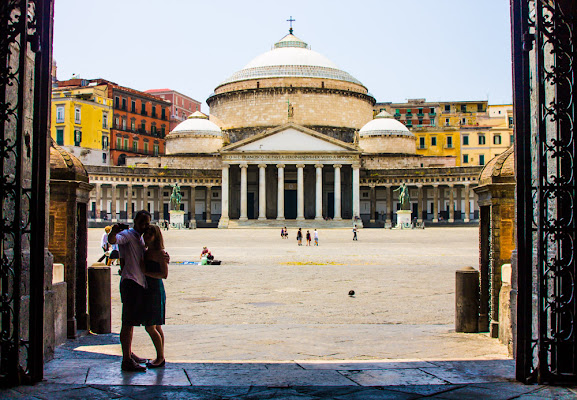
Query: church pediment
x,y
290,138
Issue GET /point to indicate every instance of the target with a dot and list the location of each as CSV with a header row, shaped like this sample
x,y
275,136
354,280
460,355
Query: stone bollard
x,y
467,300
99,298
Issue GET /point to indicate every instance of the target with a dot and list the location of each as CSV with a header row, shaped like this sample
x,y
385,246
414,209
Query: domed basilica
x,y
293,137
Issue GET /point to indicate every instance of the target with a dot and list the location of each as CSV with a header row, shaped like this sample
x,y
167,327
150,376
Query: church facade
x,y
290,140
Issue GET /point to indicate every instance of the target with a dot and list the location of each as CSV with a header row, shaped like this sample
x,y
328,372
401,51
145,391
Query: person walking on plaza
x,y
308,238
132,284
285,233
105,246
155,269
282,233
300,237
355,233
316,236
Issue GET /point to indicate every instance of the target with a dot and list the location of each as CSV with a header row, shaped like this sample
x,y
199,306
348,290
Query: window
x,y
153,129
409,112
162,131
432,110
124,104
77,115
463,108
512,140
77,137
104,158
163,113
497,139
422,142
116,102
511,122
145,147
433,140
481,140
125,143
143,127
420,122
449,142
447,121
118,143
133,106
123,124
482,159
104,120
60,114
432,121
464,121
116,122
447,108
60,136
465,140
135,146
480,107
143,108
465,158
153,115
397,112
132,125
104,142
155,149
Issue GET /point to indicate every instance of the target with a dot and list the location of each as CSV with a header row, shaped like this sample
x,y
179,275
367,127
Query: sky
x,y
447,50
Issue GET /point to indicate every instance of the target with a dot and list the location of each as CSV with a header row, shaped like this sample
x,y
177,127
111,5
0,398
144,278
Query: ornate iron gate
x,y
25,62
544,52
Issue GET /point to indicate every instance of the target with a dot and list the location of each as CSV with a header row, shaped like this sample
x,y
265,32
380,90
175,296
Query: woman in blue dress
x,y
155,269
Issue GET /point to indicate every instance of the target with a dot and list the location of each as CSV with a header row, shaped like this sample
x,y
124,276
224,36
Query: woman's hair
x,y
158,242
107,229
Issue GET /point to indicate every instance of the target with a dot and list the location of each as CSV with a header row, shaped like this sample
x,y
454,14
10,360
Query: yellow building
x,y
438,141
81,118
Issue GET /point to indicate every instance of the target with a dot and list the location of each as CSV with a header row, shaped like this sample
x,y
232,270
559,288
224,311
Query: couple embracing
x,y
144,265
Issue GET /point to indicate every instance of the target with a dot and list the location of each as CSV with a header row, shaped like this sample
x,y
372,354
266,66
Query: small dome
x,y
500,169
197,124
291,57
385,125
64,166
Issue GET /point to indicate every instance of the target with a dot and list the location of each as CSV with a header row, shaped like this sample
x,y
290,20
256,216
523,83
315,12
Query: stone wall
x,y
177,161
389,161
263,83
187,143
388,144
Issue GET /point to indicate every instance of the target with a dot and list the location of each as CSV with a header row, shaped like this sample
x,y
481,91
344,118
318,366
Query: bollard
x,y
467,300
99,298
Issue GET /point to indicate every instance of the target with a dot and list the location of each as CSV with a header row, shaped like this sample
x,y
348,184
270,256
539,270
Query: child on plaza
x,y
316,236
308,238
300,237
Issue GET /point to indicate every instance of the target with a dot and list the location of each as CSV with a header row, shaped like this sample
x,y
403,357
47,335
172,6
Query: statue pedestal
x,y
403,219
176,219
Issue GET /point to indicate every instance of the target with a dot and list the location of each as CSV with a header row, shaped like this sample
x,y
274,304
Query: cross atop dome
x,y
291,20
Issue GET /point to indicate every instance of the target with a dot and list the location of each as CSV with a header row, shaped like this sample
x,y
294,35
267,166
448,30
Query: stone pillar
x,y
280,190
337,216
262,192
224,193
458,197
243,189
192,203
319,193
158,202
145,197
451,203
300,193
113,203
208,203
98,188
356,191
420,203
129,202
373,195
389,207
467,204
435,203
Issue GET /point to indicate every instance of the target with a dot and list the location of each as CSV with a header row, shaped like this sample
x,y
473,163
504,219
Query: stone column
x,y
208,201
139,205
435,203
373,195
224,193
113,203
319,193
192,203
129,202
98,189
280,190
243,189
145,197
356,191
467,204
420,203
389,207
451,203
262,192
300,193
337,216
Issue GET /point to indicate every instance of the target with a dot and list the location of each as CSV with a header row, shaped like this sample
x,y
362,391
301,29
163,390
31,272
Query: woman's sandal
x,y
150,365
132,366
138,359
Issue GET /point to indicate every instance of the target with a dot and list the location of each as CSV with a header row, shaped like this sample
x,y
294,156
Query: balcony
x,y
432,114
153,115
420,115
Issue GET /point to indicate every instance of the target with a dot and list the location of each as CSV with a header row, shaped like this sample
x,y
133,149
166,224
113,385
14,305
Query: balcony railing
x,y
432,114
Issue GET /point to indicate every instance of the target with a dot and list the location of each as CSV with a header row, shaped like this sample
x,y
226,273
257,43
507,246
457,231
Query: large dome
x,y
291,57
196,134
385,125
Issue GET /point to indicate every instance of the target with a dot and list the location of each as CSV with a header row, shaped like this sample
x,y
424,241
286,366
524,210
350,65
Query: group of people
x,y
315,235
143,266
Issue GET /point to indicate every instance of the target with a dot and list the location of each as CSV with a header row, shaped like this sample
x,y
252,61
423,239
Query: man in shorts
x,y
132,284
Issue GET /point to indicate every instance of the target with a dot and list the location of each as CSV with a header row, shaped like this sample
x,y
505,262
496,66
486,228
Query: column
x,y
467,204
356,191
113,202
319,193
300,193
207,204
420,203
262,192
280,190
373,195
243,189
389,207
157,202
129,202
458,198
337,216
192,203
139,202
98,189
451,203
145,197
224,194
435,203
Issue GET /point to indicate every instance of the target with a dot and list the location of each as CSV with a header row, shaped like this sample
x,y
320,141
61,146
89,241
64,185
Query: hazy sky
x,y
439,50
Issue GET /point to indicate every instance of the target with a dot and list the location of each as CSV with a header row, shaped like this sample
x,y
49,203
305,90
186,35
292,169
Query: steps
x,y
291,223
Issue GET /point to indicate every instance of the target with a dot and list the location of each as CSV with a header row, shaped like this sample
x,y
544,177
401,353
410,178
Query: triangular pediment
x,y
291,138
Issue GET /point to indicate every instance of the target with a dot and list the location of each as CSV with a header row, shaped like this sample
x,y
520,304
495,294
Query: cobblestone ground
x,y
273,300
